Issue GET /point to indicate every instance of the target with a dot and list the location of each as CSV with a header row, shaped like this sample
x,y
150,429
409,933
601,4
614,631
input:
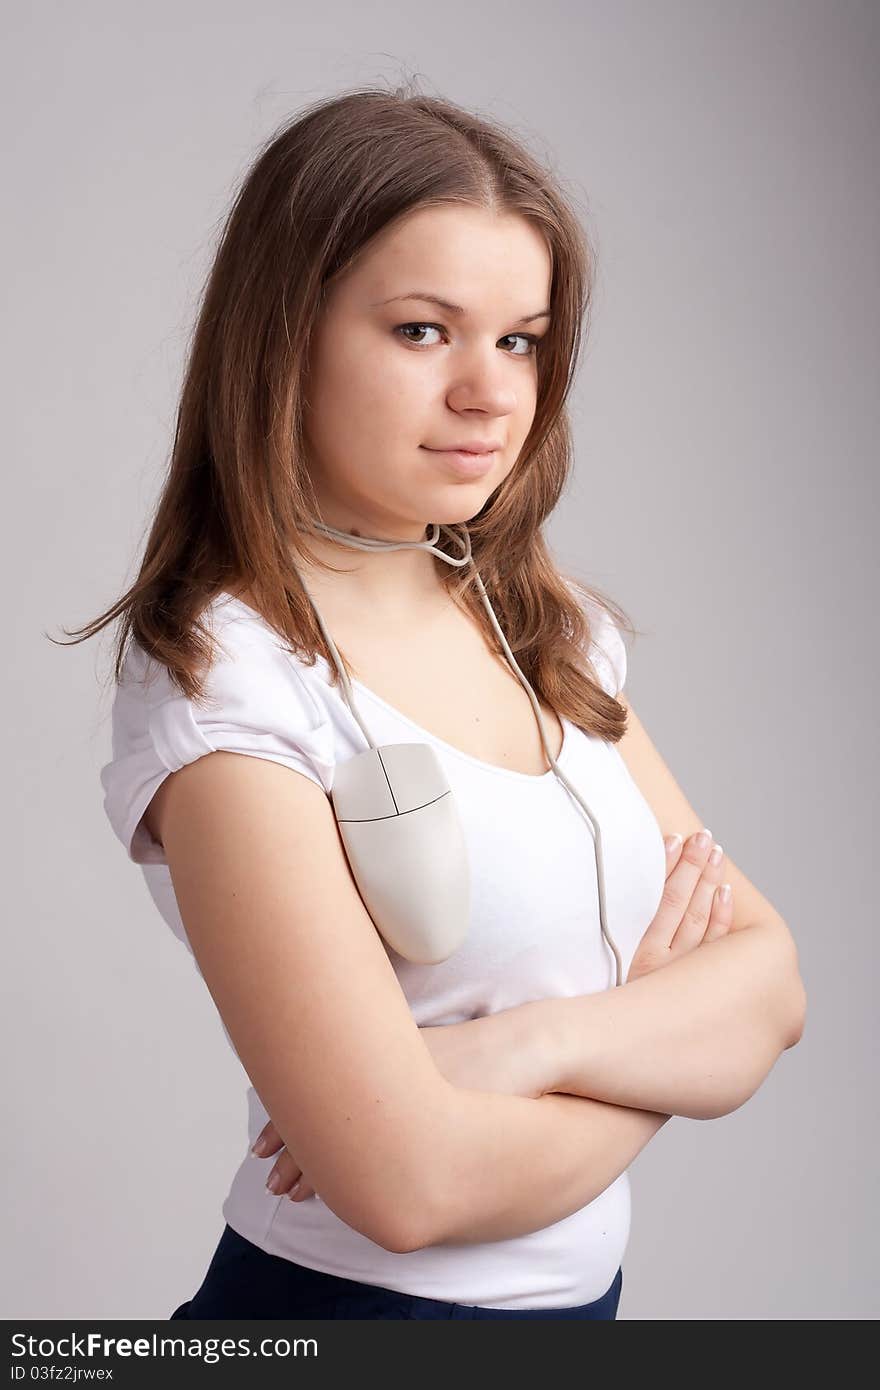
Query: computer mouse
x,y
404,842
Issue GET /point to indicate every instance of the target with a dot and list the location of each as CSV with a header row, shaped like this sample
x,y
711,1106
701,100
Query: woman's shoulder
x,y
243,645
606,649
254,701
238,627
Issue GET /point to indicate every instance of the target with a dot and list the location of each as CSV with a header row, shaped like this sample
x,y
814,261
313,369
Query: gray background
x,y
726,422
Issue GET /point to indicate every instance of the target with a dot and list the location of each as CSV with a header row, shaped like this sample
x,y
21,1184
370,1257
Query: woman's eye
x,y
419,327
529,339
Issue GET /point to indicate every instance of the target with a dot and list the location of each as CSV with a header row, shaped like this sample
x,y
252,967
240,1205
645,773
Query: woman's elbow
x,y
795,1010
799,1014
411,1224
407,1214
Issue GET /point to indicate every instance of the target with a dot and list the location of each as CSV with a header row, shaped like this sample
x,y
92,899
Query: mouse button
x,y
360,788
415,773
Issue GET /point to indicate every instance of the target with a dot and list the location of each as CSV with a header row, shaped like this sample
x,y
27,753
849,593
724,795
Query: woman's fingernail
x,y
672,843
274,1181
259,1147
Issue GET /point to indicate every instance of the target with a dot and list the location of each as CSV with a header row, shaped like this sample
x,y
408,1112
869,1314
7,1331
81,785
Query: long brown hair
x,y
237,496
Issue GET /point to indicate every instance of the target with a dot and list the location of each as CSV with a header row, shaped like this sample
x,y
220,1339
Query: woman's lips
x,y
464,463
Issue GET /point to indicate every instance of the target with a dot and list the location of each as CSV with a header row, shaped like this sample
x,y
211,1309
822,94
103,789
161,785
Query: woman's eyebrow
x,y
427,298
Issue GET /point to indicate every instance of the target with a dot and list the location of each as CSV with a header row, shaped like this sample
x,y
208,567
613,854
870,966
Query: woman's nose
x,y
483,386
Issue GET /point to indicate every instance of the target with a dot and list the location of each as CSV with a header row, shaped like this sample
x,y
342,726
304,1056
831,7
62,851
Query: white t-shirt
x,y
533,933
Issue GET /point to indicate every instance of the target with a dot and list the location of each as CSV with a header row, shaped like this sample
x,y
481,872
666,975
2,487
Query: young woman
x,y
379,370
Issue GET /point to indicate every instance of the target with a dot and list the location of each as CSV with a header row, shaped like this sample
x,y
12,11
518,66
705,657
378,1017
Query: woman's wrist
x,y
539,1032
517,1051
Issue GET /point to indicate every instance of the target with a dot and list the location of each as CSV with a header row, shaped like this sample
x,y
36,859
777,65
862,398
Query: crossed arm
x,y
695,1038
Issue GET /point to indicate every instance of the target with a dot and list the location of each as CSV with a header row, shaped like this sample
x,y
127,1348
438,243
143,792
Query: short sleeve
x,y
607,651
256,703
608,654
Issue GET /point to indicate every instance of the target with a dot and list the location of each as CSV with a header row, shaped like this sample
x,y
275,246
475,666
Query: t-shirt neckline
x,y
537,777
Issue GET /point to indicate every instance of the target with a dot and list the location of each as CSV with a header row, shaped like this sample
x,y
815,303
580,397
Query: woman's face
x,y
393,379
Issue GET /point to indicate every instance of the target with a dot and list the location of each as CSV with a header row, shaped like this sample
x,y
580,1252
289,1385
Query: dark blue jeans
x,y
244,1281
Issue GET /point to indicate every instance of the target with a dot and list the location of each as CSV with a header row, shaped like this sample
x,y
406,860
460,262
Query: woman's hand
x,y
498,1052
691,911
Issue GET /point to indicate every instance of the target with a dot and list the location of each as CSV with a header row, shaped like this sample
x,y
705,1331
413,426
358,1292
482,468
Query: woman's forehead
x,y
469,259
